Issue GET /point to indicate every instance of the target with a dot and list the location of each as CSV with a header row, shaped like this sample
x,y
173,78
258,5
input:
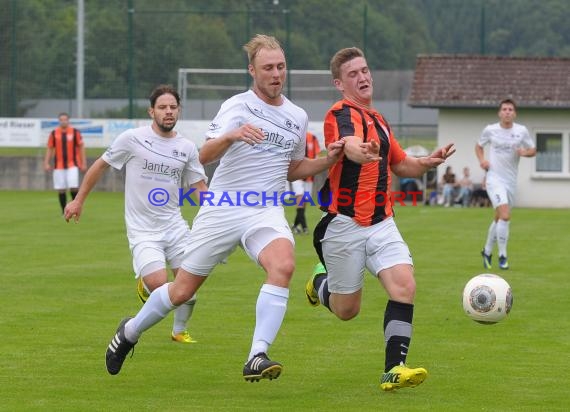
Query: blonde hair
x,y
342,56
258,42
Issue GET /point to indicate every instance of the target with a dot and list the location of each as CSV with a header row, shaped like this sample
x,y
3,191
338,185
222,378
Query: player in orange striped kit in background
x,y
65,147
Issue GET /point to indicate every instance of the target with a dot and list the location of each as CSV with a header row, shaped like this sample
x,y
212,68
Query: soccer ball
x,y
487,298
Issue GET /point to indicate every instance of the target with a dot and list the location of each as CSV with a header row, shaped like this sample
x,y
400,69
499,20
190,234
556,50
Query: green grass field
x,y
66,286
41,151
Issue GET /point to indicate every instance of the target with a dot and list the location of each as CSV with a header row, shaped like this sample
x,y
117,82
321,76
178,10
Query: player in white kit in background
x,y
507,142
157,162
259,137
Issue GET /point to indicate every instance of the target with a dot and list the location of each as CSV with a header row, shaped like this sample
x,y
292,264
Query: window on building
x,y
549,152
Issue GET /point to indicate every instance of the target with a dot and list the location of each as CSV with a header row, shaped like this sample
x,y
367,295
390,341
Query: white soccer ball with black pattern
x,y
487,298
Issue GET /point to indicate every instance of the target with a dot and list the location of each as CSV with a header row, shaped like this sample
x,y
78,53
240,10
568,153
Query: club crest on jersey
x,y
176,153
213,126
290,125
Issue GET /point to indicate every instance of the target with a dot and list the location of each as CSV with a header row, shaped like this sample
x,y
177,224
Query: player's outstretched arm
x,y
417,166
73,209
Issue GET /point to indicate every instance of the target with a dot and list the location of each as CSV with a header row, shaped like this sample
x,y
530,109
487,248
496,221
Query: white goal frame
x,y
184,83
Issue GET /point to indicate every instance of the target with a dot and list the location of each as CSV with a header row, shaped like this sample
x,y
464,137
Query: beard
x,y
165,128
270,92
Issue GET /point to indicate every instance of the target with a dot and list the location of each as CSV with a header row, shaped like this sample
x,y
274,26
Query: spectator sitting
x,y
465,189
449,184
479,196
411,187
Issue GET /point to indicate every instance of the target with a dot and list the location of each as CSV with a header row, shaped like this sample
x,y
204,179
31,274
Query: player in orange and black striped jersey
x,y
65,148
358,232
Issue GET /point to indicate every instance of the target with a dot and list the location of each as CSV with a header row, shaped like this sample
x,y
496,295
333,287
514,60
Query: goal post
x,y
200,88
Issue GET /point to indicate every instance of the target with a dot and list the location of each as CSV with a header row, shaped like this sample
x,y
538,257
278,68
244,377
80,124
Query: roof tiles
x,y
483,81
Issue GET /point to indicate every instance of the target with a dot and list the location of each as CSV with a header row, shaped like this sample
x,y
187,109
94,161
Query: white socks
x,y
498,232
491,238
153,311
270,312
182,315
502,236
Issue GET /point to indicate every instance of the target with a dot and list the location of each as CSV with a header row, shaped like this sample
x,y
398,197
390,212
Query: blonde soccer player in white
x,y
507,142
157,161
259,138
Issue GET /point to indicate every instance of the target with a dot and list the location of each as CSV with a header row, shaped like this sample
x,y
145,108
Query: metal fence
x,y
75,49
100,59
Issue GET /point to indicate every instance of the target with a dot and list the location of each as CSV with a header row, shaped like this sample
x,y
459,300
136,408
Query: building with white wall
x,y
467,90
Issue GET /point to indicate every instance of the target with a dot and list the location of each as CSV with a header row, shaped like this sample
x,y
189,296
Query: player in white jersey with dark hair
x,y
157,161
507,142
259,137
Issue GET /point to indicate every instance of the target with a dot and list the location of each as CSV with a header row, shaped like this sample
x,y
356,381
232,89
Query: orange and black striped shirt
x,y
312,150
67,144
361,191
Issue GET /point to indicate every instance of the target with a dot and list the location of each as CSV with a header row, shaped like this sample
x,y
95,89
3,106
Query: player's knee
x,y
154,282
288,267
403,291
281,279
347,312
282,268
180,294
345,307
409,287
504,216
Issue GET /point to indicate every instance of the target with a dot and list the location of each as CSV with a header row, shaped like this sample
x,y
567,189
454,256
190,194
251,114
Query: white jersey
x,y
503,157
155,168
261,168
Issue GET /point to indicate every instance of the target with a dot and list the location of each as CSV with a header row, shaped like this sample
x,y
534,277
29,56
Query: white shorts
x,y
308,188
66,178
499,194
166,247
349,248
305,189
297,186
218,230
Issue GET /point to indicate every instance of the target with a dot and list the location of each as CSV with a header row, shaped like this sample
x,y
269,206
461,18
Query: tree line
x,y
131,45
